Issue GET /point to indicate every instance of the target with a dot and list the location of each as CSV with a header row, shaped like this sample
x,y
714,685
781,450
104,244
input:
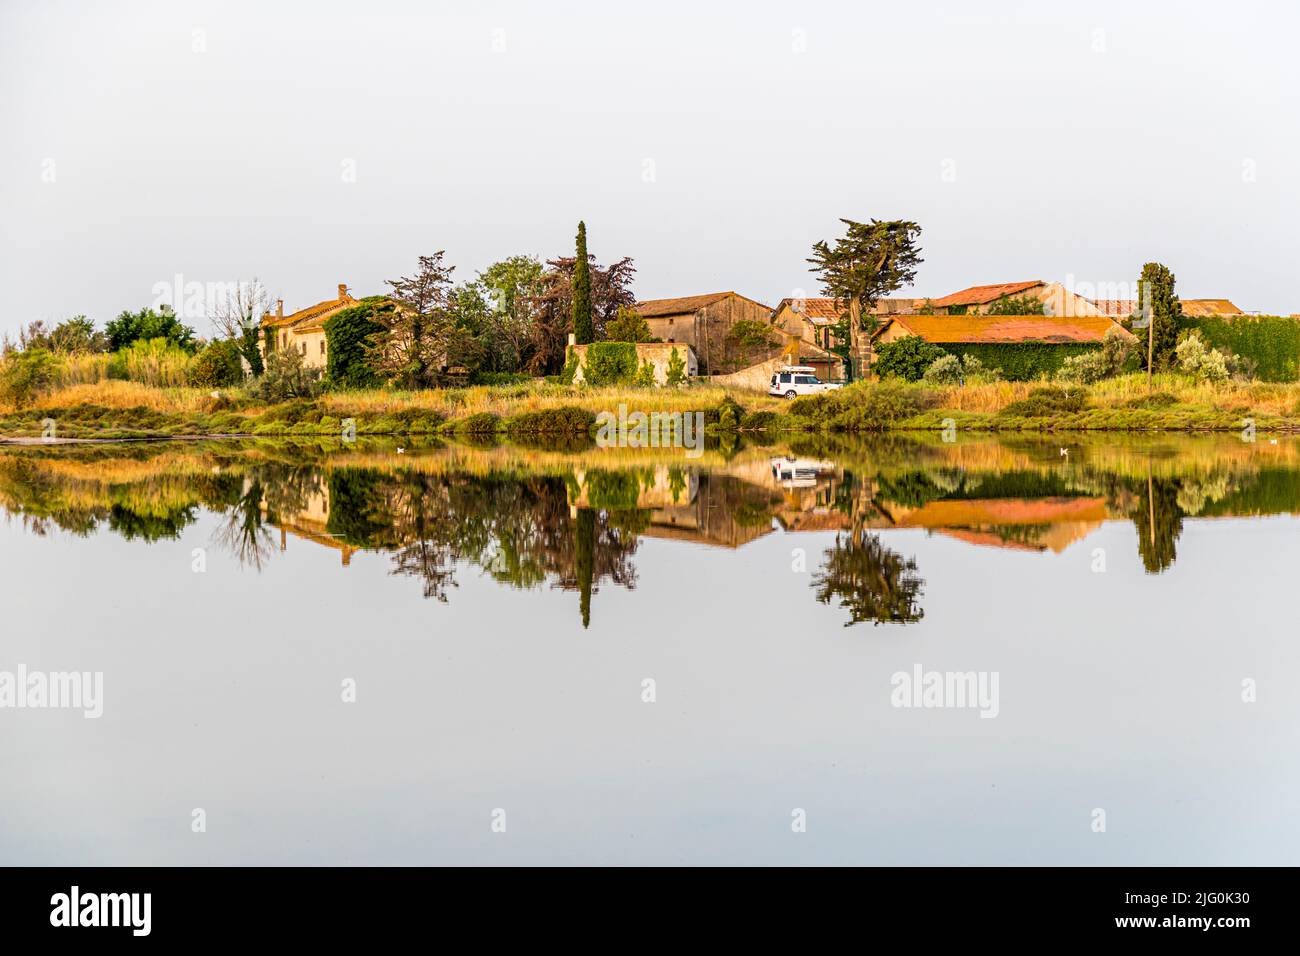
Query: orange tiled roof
x,y
828,311
1192,307
994,329
1201,307
1120,308
981,294
311,318
816,311
684,305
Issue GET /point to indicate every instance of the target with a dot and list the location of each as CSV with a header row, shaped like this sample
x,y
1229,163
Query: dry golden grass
x,y
118,394
513,399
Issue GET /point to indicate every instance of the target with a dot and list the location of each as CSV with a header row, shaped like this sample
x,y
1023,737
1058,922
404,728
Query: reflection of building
x,y
310,523
1031,524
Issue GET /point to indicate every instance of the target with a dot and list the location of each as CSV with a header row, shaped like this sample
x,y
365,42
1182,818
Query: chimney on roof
x,y
343,292
279,308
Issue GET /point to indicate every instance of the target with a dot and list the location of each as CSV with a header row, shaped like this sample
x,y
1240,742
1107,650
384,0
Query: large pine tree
x,y
583,329
868,262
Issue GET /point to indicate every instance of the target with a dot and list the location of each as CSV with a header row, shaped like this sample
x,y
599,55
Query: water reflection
x,y
573,519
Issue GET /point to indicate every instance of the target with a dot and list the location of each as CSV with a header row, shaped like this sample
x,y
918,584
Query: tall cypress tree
x,y
1159,304
583,330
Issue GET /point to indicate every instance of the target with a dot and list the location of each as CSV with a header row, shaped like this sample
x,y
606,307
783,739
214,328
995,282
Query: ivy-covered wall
x,y
1022,361
1272,342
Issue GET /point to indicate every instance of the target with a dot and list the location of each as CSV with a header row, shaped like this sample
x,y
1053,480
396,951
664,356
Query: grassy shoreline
x,y
125,410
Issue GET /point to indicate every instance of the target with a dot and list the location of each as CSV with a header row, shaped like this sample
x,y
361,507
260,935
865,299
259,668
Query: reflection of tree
x,y
517,529
1159,522
872,582
242,533
584,536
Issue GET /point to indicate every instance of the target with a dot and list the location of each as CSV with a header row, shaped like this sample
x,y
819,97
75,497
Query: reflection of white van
x,y
795,380
797,472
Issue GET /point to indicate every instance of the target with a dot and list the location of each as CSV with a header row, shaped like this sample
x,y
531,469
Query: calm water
x,y
501,611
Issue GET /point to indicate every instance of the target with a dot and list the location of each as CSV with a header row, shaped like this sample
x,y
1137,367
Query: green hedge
x,y
1022,362
1272,342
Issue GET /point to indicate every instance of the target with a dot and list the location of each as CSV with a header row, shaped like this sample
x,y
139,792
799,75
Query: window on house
x,y
322,346
303,346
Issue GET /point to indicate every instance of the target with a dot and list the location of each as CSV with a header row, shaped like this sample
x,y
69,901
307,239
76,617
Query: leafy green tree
x,y
77,336
907,358
220,365
868,262
1159,304
1016,305
509,287
26,375
348,336
413,346
583,328
628,326
146,325
552,309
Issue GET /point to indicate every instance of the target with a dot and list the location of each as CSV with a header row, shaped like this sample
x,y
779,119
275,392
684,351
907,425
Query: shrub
x,y
287,377
676,369
220,365
645,376
758,420
1047,401
24,376
945,370
610,363
564,420
480,423
863,406
1118,353
906,358
1202,363
1084,369
729,413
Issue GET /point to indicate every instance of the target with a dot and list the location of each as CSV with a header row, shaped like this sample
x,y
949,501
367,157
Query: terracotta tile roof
x,y
993,329
652,308
1202,307
311,318
684,305
828,311
981,294
1120,308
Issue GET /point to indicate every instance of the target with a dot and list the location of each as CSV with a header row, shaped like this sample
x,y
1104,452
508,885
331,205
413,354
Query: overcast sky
x,y
713,143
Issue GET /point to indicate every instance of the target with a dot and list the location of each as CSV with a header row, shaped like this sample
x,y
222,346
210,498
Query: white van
x,y
795,380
